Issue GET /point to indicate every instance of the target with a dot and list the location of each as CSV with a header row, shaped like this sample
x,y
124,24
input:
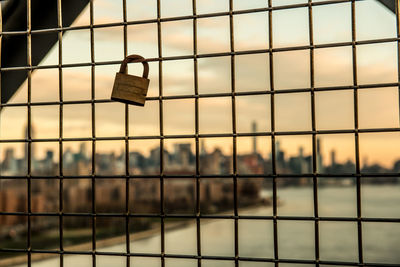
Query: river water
x,y
338,240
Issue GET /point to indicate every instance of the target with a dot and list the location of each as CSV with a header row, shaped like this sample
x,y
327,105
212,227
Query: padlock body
x,y
130,89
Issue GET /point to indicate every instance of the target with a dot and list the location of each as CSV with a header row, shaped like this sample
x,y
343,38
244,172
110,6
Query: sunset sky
x,y
377,63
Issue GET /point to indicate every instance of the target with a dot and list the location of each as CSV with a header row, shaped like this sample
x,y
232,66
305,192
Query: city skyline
x,y
180,156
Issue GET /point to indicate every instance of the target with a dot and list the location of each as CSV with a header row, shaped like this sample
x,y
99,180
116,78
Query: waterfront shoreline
x,y
118,240
256,236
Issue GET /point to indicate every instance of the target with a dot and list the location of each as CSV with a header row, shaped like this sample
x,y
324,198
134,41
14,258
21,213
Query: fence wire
x,y
127,215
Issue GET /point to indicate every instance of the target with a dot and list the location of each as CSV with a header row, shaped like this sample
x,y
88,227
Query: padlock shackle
x,y
135,58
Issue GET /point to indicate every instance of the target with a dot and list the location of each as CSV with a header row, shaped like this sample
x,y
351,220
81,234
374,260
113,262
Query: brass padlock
x,y
131,89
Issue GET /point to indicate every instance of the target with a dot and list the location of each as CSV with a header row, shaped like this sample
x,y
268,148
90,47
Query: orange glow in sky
x,y
376,63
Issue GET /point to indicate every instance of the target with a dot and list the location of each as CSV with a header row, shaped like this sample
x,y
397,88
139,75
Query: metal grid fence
x,y
198,216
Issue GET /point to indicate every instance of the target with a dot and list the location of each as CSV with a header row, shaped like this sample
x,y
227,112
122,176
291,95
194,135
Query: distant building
x,y
254,130
216,193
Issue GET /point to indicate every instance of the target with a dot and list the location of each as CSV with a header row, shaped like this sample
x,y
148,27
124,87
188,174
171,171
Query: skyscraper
x,y
320,165
333,157
254,130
